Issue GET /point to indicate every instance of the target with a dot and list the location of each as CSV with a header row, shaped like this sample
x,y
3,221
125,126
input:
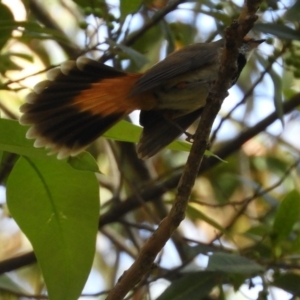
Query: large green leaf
x,y
231,263
192,286
287,215
57,207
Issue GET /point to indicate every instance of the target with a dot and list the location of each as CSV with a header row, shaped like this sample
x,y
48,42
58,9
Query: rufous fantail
x,y
82,99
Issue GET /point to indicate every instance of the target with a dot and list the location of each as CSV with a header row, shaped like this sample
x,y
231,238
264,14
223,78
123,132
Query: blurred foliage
x,y
241,236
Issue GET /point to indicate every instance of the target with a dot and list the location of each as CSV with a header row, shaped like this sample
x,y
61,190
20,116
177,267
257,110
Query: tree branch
x,y
234,35
14,263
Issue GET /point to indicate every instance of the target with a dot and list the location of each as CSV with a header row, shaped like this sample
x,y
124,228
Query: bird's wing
x,y
178,63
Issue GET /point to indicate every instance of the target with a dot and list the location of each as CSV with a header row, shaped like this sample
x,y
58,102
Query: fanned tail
x,y
79,102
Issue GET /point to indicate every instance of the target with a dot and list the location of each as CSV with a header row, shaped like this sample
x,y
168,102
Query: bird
x,y
82,99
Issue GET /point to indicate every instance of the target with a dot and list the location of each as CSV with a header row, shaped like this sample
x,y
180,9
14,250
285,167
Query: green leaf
x,y
277,165
293,13
193,251
211,154
232,263
286,216
129,7
289,282
149,44
128,132
137,57
33,30
124,131
277,84
22,55
180,145
8,283
84,162
1,156
83,3
169,36
196,214
57,207
237,280
183,33
224,181
8,64
5,16
258,231
279,30
220,16
12,139
192,286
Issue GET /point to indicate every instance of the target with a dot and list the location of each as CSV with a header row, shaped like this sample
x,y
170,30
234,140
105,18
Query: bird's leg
x,y
189,137
168,116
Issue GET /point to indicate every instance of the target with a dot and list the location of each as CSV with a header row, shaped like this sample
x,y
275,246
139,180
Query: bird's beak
x,y
255,43
259,41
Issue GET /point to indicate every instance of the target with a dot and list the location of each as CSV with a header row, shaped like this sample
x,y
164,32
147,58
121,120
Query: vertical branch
x,y
233,35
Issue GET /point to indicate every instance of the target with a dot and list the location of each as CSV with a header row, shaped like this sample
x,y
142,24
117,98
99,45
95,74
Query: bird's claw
x,y
189,137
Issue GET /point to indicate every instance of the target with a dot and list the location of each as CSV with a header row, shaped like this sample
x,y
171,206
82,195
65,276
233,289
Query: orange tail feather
x,y
80,102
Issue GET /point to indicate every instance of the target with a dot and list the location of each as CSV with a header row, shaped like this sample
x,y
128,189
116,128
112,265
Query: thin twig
x,y
119,241
258,193
248,200
148,25
153,21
